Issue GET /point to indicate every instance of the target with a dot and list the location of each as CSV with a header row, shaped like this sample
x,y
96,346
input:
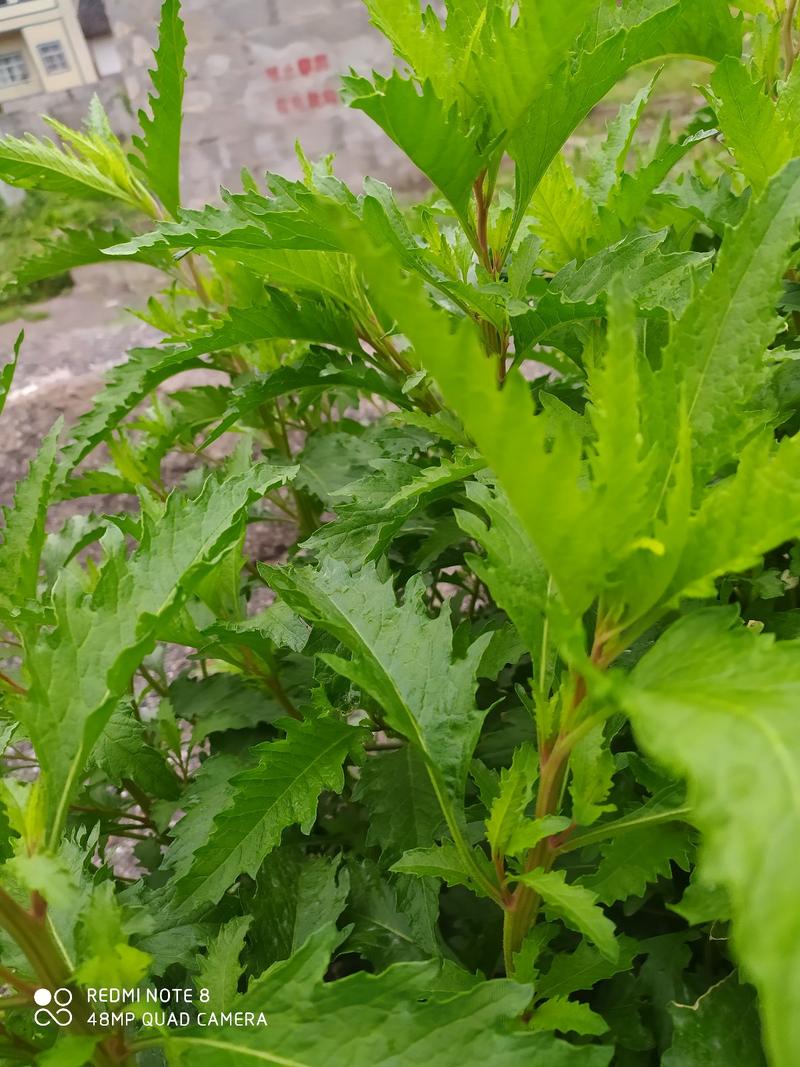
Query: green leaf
x,y
7,373
102,944
70,1050
751,125
718,346
159,145
394,918
280,317
123,754
398,828
622,473
205,798
314,1023
608,164
126,386
716,704
295,895
222,702
721,1027
702,904
400,656
426,129
503,425
563,215
80,670
282,790
567,1016
516,790
33,163
592,772
511,567
442,861
23,530
220,969
636,859
70,249
611,45
577,908
742,516
585,967
318,372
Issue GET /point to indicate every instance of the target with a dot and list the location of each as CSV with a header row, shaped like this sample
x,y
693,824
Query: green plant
x,y
510,750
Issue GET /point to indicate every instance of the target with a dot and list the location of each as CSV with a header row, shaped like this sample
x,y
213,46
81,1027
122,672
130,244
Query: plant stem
x,y
13,685
789,54
554,763
155,685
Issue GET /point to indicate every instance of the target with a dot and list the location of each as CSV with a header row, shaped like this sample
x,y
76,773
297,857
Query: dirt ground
x,y
64,357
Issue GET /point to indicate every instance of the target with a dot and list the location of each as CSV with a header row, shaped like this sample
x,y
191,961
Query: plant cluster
x,y
503,765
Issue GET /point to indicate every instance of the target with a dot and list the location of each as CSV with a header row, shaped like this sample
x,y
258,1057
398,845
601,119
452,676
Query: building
x,y
42,49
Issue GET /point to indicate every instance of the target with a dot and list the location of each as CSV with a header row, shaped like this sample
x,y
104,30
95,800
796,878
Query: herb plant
x,y
503,763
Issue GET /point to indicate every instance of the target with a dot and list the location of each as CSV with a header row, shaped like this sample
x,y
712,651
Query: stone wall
x,y
261,74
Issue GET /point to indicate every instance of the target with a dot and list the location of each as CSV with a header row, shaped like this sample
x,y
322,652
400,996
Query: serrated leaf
x,y
718,345
584,968
509,807
123,754
742,516
398,828
220,969
102,941
205,798
400,656
282,790
751,125
79,671
702,904
721,1027
222,702
126,386
426,129
295,895
504,427
394,918
441,861
408,1016
623,37
23,530
577,908
37,163
636,859
320,371
608,164
717,704
8,371
511,568
70,249
567,1016
159,145
592,773
563,216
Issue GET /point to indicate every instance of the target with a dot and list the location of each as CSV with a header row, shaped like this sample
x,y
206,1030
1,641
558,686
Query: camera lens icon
x,y
60,1015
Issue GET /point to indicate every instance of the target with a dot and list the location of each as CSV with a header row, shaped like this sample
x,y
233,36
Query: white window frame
x,y
53,50
6,68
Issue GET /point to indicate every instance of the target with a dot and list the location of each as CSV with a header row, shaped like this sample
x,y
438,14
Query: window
x,y
54,59
13,69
